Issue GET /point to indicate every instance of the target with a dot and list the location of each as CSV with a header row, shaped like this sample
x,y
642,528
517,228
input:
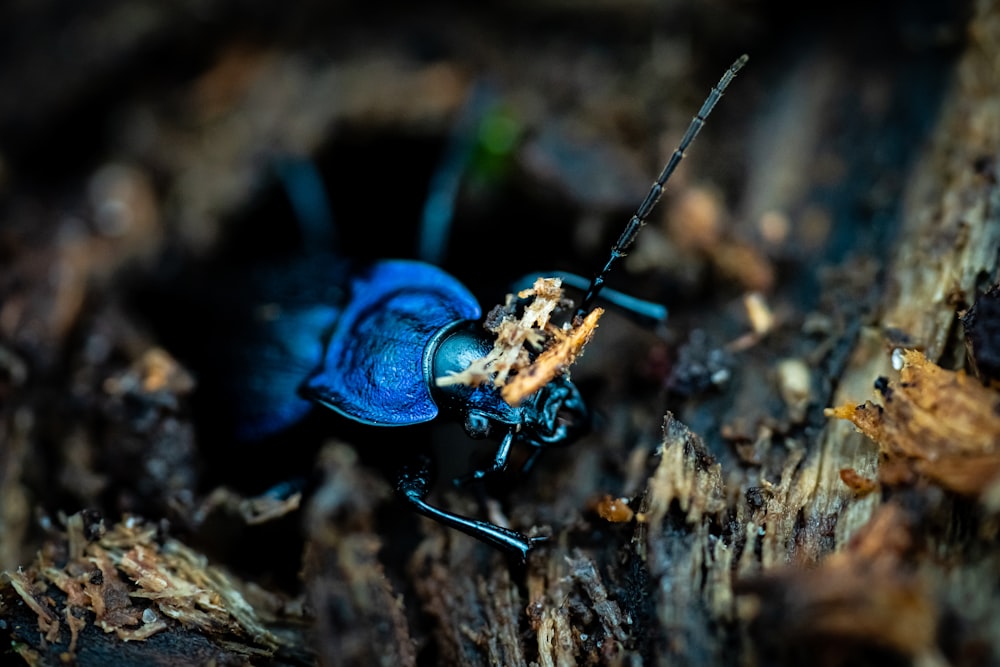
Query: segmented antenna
x,y
649,203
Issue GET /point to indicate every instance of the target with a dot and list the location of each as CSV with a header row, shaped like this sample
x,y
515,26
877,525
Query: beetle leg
x,y
308,197
530,461
499,463
439,209
559,416
645,313
414,484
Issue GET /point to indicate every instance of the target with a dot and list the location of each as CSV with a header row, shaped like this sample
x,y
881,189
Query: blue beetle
x,y
367,342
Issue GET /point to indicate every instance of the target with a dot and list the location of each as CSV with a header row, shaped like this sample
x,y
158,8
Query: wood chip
x,y
942,425
509,364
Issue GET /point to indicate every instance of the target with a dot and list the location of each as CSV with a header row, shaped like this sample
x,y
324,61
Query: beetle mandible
x,y
368,344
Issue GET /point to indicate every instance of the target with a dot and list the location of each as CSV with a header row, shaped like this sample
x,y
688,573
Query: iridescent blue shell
x,y
376,367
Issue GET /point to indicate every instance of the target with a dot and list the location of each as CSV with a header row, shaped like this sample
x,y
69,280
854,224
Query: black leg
x,y
499,463
646,313
414,483
530,461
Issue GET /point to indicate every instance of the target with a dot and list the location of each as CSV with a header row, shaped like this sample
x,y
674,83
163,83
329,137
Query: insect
x,y
368,342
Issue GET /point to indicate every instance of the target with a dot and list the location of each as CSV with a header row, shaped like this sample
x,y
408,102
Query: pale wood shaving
x,y
509,364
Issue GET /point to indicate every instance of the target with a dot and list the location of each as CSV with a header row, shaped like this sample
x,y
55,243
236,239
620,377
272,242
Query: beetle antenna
x,y
649,203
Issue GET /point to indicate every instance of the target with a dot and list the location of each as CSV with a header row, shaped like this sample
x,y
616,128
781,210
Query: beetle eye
x,y
477,425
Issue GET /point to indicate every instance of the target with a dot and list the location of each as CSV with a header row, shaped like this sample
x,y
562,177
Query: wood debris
x,y
615,510
132,583
510,364
573,616
863,601
154,371
347,585
981,324
761,319
857,482
935,423
687,475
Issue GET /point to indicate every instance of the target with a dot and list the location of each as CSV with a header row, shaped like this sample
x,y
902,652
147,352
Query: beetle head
x,y
554,415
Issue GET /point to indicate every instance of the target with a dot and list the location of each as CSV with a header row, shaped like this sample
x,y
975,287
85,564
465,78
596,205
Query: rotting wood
x,y
750,544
